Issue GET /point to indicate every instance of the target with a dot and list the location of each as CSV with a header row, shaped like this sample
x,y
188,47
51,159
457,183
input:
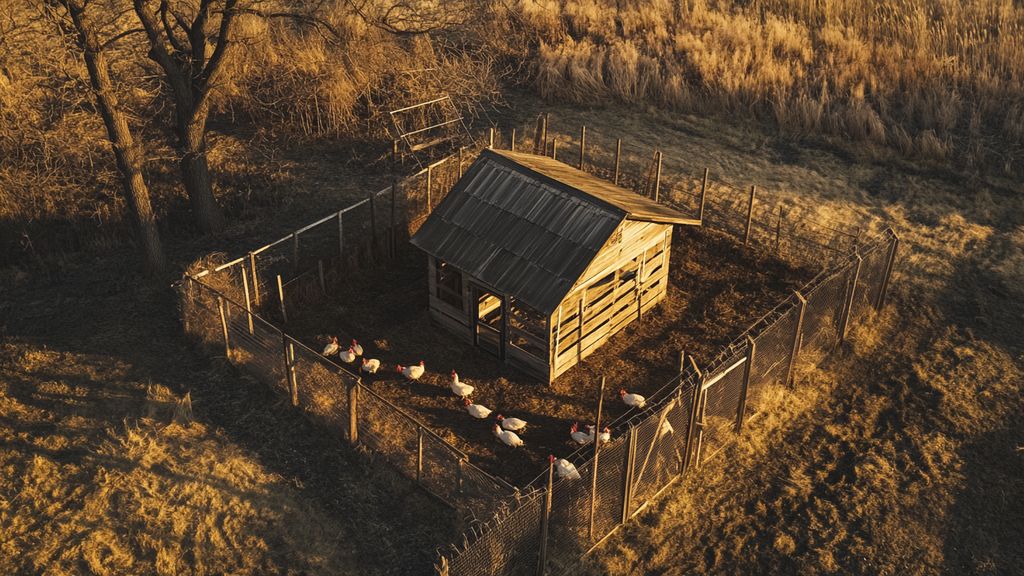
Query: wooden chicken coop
x,y
540,263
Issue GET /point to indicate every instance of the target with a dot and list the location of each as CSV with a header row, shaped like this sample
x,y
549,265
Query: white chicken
x,y
348,356
579,436
357,348
370,365
565,469
512,424
461,390
507,437
413,372
606,434
332,347
632,400
665,429
476,410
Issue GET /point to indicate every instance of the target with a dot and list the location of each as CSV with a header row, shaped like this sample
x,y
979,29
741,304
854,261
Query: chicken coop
x,y
539,263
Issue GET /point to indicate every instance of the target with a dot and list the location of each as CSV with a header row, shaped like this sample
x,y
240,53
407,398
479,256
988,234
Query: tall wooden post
x,y
280,298
512,141
682,362
880,303
844,321
691,429
353,413
750,214
545,519
741,410
657,178
248,303
293,382
597,451
627,473
461,151
224,326
618,156
554,148
490,137
797,338
430,182
419,453
583,145
255,279
703,193
544,131
698,441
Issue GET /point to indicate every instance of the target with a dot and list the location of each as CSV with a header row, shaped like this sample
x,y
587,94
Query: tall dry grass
x,y
932,79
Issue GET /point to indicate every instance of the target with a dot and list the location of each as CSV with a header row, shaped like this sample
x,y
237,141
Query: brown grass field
x,y
902,454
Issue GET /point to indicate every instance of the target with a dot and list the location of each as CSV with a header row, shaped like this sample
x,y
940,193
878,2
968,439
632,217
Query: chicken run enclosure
x,y
743,297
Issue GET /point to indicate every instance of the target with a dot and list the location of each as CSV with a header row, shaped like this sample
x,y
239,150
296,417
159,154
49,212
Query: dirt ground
x,y
717,288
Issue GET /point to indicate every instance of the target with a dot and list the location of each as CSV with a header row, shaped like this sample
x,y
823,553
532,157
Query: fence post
x,y
295,250
461,150
224,326
627,473
293,381
419,453
699,440
255,279
888,271
545,518
554,148
597,449
353,418
797,338
618,155
583,145
490,137
341,238
280,297
851,290
657,178
691,430
703,192
430,179
248,303
741,410
512,141
750,214
544,132
287,362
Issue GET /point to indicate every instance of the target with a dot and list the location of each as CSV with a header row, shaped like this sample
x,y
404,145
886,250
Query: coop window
x,y
449,284
527,328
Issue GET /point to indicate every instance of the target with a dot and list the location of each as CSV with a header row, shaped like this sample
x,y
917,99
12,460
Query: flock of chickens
x,y
506,430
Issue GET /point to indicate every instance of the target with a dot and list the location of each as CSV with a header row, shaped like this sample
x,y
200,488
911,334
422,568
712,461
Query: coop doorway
x,y
489,331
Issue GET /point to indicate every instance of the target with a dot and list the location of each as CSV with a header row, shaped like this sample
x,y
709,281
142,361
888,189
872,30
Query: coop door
x,y
490,322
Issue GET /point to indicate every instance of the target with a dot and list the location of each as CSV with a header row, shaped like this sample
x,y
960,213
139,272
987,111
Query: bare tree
x,y
79,21
181,35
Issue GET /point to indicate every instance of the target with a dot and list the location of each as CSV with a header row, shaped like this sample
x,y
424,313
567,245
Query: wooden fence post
x,y
490,137
353,413
682,362
703,192
583,145
419,453
778,229
750,214
554,148
280,297
741,410
248,303
691,430
627,473
597,449
287,361
797,338
618,155
657,178
545,519
293,381
699,440
851,291
255,279
430,184
544,132
882,292
461,150
512,141
224,326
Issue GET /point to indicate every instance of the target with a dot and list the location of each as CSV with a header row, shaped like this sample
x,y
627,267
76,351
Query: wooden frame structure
x,y
540,264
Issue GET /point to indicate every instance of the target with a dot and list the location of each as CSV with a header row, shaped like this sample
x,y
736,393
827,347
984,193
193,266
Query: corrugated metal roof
x,y
518,223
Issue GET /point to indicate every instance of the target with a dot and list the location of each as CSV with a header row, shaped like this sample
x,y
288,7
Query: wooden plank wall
x,y
609,302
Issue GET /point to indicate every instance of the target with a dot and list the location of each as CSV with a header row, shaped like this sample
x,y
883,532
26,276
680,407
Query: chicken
x,y
412,372
606,434
507,437
476,410
332,347
357,348
632,400
565,469
348,356
580,437
512,424
665,429
370,365
461,390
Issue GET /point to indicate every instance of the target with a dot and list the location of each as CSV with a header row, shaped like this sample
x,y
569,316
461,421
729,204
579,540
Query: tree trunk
x,y
127,154
195,174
